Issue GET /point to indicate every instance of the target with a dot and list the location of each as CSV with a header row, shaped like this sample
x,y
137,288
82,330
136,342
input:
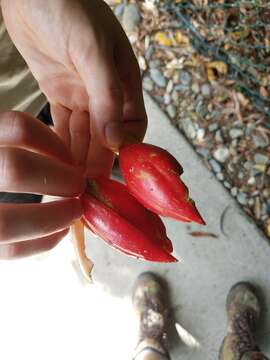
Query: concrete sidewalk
x,y
48,313
210,266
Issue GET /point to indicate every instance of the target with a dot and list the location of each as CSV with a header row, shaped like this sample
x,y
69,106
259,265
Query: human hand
x,y
34,160
85,65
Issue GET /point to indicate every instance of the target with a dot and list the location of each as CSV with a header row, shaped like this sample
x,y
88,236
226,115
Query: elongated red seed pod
x,y
152,175
119,219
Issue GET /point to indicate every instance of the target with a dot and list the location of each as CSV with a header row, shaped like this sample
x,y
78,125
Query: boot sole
x,y
220,353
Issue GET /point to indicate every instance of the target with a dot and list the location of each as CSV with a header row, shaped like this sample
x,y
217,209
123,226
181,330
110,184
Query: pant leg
x,y
18,198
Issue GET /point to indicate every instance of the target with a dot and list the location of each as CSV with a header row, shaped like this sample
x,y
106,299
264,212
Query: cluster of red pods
x,y
127,216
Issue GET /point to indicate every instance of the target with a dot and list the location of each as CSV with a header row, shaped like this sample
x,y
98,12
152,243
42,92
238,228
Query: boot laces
x,y
244,326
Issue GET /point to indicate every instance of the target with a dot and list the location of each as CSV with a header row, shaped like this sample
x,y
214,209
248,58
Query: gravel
x,y
189,128
259,141
185,78
234,191
131,17
195,88
147,83
215,166
221,154
118,10
171,110
230,134
220,177
242,198
206,90
181,88
227,185
261,158
157,77
213,127
167,99
219,137
236,133
169,87
203,152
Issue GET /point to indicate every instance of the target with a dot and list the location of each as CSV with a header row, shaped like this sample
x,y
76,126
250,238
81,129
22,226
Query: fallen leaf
x,y
238,35
163,39
267,44
227,46
243,100
219,66
203,234
263,92
260,167
211,74
113,2
267,228
180,38
237,106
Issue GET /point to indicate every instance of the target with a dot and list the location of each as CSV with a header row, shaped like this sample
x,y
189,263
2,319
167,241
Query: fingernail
x,y
114,134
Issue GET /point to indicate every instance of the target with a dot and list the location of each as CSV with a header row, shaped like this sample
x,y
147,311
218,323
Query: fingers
x,y
99,160
19,222
61,115
135,118
79,126
114,87
29,172
97,69
106,102
31,247
73,127
21,130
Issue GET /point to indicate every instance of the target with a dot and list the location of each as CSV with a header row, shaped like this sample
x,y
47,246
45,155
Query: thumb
x,y
104,89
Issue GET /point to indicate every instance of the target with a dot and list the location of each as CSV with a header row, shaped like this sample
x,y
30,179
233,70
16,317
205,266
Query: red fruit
x,y
119,219
152,175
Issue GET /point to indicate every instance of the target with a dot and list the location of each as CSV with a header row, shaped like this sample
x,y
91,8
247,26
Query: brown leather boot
x,y
243,310
150,305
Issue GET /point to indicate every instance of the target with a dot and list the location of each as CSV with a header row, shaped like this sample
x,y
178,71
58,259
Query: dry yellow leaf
x,y
267,228
263,92
163,39
265,79
211,74
214,68
238,35
242,99
113,2
180,38
220,66
267,43
260,167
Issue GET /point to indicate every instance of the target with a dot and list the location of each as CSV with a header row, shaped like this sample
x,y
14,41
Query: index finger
x,y
21,130
134,113
20,222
